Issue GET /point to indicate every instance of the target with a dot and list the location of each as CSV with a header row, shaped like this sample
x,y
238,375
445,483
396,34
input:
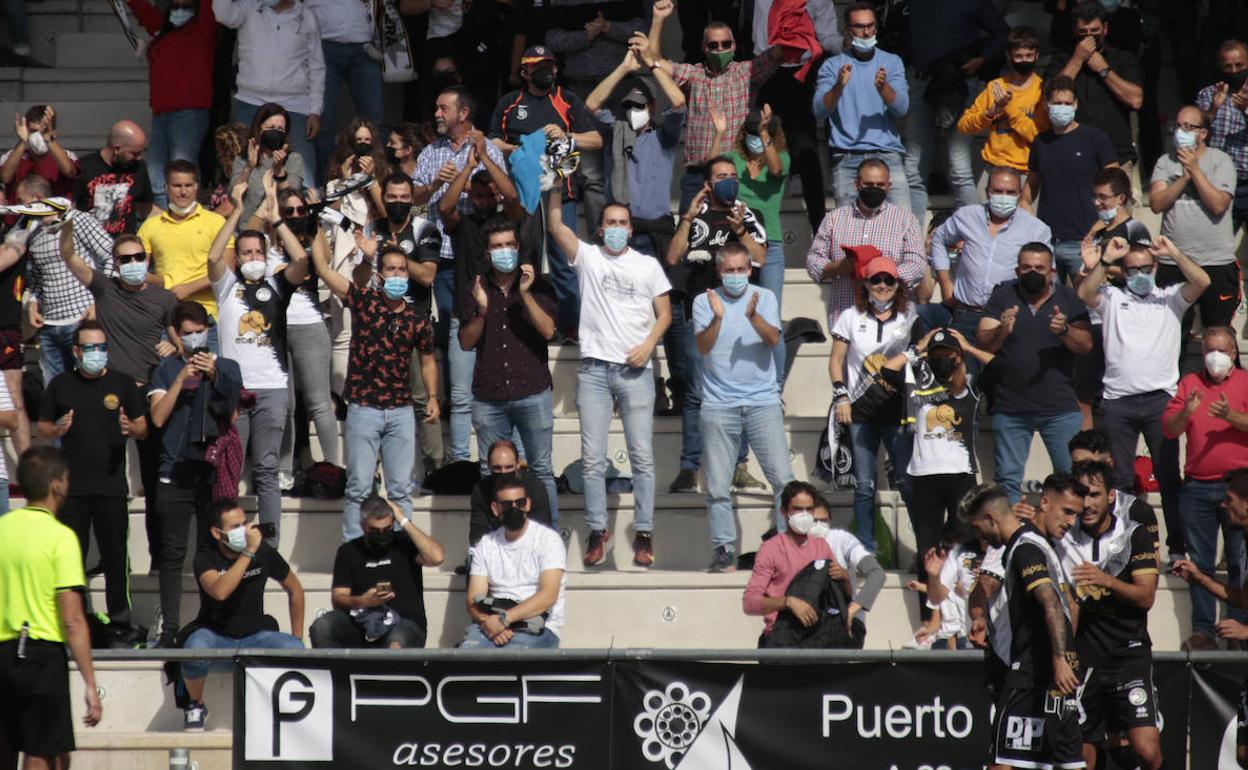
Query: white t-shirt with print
x,y
958,577
1142,338
513,567
871,343
617,301
245,337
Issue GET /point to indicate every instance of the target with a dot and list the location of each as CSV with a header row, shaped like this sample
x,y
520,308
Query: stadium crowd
x,y
257,267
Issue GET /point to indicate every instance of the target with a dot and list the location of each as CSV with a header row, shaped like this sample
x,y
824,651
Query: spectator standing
x,y
522,567
346,28
38,151
1192,188
179,60
865,223
230,142
232,570
1007,108
270,149
377,584
41,568
991,236
1107,80
735,328
93,412
624,301
1210,407
1142,329
280,61
1037,328
1060,168
1224,104
509,319
113,184
862,94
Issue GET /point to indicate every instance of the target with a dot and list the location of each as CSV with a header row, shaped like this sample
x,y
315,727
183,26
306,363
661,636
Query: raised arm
x,y
598,97
658,15
76,264
1195,277
639,43
336,282
565,237
1090,287
216,252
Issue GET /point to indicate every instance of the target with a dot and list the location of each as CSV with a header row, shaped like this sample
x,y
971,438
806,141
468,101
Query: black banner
x,y
1215,695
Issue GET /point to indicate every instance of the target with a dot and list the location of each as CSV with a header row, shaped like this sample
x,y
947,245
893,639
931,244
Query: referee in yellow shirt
x,y
41,611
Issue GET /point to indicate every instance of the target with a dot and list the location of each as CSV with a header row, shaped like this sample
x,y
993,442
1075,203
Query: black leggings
x,y
184,498
111,520
933,504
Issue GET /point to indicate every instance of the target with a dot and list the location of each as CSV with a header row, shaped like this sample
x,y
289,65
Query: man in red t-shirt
x,y
38,151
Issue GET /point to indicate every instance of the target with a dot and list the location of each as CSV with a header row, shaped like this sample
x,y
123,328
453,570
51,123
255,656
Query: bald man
x,y
113,184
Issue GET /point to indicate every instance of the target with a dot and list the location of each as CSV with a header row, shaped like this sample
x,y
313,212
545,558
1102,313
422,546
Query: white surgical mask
x,y
37,144
1218,364
1108,215
638,117
863,44
179,210
252,270
193,340
819,529
802,522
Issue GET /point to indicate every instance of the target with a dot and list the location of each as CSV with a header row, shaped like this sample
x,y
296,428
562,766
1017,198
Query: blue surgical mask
x,y
133,273
1108,215
504,260
725,190
1061,115
735,284
1185,140
754,144
395,286
863,44
236,539
1002,205
615,238
93,361
1141,284
180,16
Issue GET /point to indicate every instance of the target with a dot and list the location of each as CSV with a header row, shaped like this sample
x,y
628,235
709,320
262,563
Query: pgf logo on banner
x,y
1023,733
290,715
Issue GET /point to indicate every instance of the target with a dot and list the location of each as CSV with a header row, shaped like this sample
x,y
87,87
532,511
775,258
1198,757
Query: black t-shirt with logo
x,y
359,568
242,612
1031,651
1110,628
111,196
94,446
421,242
708,233
468,241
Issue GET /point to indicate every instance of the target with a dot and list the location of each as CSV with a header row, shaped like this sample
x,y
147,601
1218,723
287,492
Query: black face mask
x,y
392,156
123,167
1235,80
1024,67
513,518
542,78
943,367
363,148
379,541
397,211
301,226
872,198
1032,283
272,139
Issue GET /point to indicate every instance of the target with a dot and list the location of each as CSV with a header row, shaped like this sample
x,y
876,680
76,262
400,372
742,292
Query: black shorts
x,y
1241,722
1037,728
34,712
1117,696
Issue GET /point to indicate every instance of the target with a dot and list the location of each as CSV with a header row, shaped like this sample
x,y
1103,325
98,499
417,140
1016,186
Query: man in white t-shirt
x,y
251,317
517,578
624,312
1142,326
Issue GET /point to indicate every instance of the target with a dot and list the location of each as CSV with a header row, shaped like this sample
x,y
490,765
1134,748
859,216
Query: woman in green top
x,y
762,160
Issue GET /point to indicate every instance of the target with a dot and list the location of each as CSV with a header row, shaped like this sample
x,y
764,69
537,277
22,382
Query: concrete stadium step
x,y
94,49
68,84
52,18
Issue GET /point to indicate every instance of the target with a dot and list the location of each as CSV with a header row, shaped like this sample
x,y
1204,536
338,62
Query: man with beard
x,y
1112,563
378,592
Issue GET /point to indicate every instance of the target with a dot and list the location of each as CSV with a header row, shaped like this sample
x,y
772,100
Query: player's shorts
x,y
34,712
1117,696
1037,728
1241,721
11,355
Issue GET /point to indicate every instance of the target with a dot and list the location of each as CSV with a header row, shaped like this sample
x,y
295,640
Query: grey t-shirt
x,y
1207,240
255,183
133,321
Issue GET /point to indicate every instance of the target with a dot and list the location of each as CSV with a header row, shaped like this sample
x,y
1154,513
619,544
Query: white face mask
x,y
819,530
37,144
179,210
802,522
638,117
1218,364
253,270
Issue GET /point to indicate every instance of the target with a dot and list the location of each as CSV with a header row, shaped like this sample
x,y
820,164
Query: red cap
x,y
877,266
861,255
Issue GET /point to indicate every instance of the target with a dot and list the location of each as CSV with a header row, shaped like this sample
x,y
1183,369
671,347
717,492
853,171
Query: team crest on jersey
x,y
111,402
522,112
263,294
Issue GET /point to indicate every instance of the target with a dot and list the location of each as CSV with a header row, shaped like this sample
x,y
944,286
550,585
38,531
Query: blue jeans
x,y
867,439
771,277
264,426
599,388
56,352
690,420
349,62
4,496
922,141
722,430
459,363
474,639
296,137
563,278
1069,257
207,639
534,418
845,165
175,135
1012,442
1201,503
369,433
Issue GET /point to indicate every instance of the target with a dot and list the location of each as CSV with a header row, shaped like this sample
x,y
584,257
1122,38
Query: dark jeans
x,y
108,515
1239,206
335,629
933,504
677,367
183,496
1203,518
790,100
1125,419
1217,305
149,467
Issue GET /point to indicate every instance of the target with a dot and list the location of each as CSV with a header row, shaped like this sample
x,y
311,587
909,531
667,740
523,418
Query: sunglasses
x,y
720,45
95,347
294,211
125,259
519,502
882,278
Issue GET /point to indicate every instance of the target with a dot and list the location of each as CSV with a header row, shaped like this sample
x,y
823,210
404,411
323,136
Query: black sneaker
x,y
686,481
725,560
194,717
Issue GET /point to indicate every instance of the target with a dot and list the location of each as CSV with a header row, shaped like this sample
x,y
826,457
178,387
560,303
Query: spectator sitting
x,y
863,568
521,568
232,569
38,151
113,183
378,592
504,462
269,149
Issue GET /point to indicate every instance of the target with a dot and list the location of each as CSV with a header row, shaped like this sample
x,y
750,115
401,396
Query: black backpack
x,y
816,588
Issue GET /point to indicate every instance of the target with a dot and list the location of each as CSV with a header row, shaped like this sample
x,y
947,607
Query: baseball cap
x,y
638,95
880,265
535,54
943,339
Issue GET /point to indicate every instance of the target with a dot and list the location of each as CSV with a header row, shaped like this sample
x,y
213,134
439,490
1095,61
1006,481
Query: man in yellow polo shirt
x,y
178,240
40,612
